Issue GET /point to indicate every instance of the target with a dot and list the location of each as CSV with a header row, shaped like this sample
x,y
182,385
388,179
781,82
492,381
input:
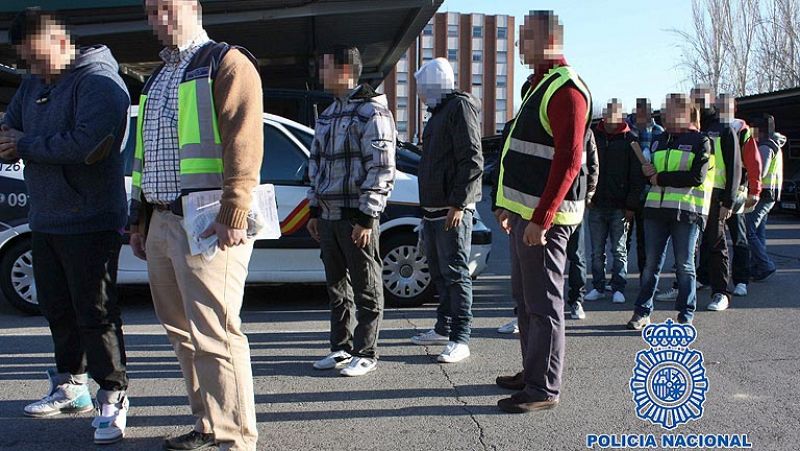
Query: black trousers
x,y
637,226
76,283
355,289
715,266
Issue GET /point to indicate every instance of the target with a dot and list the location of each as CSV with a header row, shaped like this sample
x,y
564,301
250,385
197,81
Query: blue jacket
x,y
74,130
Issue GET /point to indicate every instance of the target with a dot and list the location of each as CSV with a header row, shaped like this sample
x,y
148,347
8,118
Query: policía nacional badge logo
x,y
669,382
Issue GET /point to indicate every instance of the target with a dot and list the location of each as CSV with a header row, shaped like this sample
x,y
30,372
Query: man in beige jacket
x,y
200,128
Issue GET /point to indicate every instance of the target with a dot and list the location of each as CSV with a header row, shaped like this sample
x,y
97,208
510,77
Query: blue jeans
x,y
448,252
576,254
684,239
605,223
760,261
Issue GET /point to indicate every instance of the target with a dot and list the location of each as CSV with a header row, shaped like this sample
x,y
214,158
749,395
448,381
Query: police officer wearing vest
x,y
541,191
676,207
770,143
735,160
200,128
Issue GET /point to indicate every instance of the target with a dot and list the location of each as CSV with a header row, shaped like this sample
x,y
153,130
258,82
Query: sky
x,y
622,49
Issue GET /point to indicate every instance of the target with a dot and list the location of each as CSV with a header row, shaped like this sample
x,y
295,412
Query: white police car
x,y
292,259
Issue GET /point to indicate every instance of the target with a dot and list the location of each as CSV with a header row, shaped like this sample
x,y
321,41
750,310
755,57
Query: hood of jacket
x,y
621,128
435,80
366,93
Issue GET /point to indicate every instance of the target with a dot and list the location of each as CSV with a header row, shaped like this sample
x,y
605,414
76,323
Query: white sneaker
x,y
454,352
618,298
62,398
718,303
667,295
740,289
359,366
333,360
510,327
576,311
594,295
110,422
429,338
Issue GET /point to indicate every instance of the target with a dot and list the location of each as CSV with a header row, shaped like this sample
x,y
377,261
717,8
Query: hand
x,y
8,142
534,235
648,170
361,236
751,202
502,216
724,214
454,217
226,236
654,180
630,215
137,242
313,228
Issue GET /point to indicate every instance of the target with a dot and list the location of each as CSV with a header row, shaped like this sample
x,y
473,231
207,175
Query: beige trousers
x,y
198,303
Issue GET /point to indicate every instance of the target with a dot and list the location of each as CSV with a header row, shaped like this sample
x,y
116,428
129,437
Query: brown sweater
x,y
239,102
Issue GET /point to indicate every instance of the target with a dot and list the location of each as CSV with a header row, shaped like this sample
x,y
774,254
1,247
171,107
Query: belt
x,y
175,208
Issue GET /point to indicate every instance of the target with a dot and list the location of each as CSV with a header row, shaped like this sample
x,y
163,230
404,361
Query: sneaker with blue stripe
x,y
63,398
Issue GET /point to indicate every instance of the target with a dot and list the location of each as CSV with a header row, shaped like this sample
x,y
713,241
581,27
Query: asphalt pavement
x,y
413,403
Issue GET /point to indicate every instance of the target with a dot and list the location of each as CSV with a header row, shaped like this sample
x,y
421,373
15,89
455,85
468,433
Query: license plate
x,y
789,205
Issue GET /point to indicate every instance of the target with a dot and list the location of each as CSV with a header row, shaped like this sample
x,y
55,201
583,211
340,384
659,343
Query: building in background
x,y
481,50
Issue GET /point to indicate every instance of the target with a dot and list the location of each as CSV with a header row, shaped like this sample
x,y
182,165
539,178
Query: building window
x,y
428,30
402,102
402,78
452,31
502,57
402,126
477,80
502,33
427,54
477,56
500,106
477,32
501,81
452,54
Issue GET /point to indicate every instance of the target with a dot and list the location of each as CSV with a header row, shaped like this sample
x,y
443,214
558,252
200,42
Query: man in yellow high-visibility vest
x,y
541,199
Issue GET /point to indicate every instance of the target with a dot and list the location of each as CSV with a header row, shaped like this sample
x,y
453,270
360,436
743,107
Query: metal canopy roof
x,y
285,35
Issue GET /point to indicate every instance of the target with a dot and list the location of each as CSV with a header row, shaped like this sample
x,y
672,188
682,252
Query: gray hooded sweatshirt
x,y
74,130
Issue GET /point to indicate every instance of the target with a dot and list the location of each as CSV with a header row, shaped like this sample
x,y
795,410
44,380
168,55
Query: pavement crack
x,y
464,405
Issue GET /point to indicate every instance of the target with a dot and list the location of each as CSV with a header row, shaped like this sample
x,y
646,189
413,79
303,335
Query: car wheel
x,y
406,277
16,278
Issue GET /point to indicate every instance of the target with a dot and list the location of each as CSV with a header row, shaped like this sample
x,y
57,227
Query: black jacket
x,y
621,179
452,160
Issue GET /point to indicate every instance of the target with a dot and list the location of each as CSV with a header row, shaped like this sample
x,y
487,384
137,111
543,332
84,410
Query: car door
x,y
295,256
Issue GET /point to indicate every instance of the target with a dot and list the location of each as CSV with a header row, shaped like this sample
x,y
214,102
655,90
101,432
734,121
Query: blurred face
x,y
48,52
726,105
174,22
612,114
701,97
336,78
538,41
677,113
644,113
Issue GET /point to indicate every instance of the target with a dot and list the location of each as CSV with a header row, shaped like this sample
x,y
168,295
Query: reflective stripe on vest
x,y
696,199
570,212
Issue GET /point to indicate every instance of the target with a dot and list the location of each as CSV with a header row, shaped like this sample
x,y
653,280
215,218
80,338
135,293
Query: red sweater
x,y
752,162
567,113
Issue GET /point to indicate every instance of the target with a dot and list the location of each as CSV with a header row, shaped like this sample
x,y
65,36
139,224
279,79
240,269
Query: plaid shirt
x,y
161,182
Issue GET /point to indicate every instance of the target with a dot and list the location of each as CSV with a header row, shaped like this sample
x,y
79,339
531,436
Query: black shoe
x,y
519,403
515,382
682,320
192,440
638,322
764,276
